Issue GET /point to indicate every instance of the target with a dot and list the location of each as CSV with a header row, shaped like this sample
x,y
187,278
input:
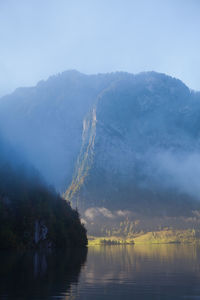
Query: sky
x,y
39,38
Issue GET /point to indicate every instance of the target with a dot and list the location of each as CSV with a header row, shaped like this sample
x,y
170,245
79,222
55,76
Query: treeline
x,y
33,214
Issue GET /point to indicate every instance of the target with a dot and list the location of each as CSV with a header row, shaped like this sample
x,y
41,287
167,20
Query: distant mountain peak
x,y
110,140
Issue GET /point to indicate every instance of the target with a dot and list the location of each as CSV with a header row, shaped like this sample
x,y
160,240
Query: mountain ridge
x,y
112,142
114,131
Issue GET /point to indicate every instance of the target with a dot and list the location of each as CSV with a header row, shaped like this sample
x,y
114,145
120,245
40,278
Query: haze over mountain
x,y
45,122
112,141
33,215
140,144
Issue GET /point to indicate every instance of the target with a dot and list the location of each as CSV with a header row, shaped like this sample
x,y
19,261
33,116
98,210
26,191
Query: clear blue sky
x,y
39,38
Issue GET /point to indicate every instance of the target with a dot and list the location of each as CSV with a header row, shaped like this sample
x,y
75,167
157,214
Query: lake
x,y
103,272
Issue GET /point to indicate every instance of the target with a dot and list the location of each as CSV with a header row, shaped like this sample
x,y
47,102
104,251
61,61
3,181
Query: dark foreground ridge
x,y
33,215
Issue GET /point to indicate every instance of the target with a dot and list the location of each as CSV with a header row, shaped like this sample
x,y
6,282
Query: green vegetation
x,y
155,237
168,237
58,224
92,241
33,215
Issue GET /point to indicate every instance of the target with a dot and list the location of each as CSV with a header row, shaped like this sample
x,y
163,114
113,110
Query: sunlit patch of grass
x,y
168,237
155,237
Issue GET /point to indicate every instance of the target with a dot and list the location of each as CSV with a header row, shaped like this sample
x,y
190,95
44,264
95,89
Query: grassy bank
x,y
156,237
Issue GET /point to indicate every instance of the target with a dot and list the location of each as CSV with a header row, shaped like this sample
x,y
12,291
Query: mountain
x,y
140,150
45,122
120,145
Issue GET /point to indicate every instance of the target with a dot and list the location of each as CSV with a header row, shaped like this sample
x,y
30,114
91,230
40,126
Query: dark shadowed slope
x,y
32,215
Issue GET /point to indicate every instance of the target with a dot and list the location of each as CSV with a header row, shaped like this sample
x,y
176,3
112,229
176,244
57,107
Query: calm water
x,y
111,272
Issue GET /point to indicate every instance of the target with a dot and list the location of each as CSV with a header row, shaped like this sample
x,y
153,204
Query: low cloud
x,y
181,171
95,212
123,213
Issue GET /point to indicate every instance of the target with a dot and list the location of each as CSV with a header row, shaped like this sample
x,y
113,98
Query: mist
x,y
180,171
19,178
99,146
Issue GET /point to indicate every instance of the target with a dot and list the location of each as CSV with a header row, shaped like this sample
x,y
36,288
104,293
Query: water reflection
x,y
39,275
141,272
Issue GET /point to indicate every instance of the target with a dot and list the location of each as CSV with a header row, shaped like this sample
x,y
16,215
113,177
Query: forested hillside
x,y
33,215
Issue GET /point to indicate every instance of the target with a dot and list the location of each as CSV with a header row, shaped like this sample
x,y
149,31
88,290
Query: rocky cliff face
x,y
140,144
112,141
45,122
